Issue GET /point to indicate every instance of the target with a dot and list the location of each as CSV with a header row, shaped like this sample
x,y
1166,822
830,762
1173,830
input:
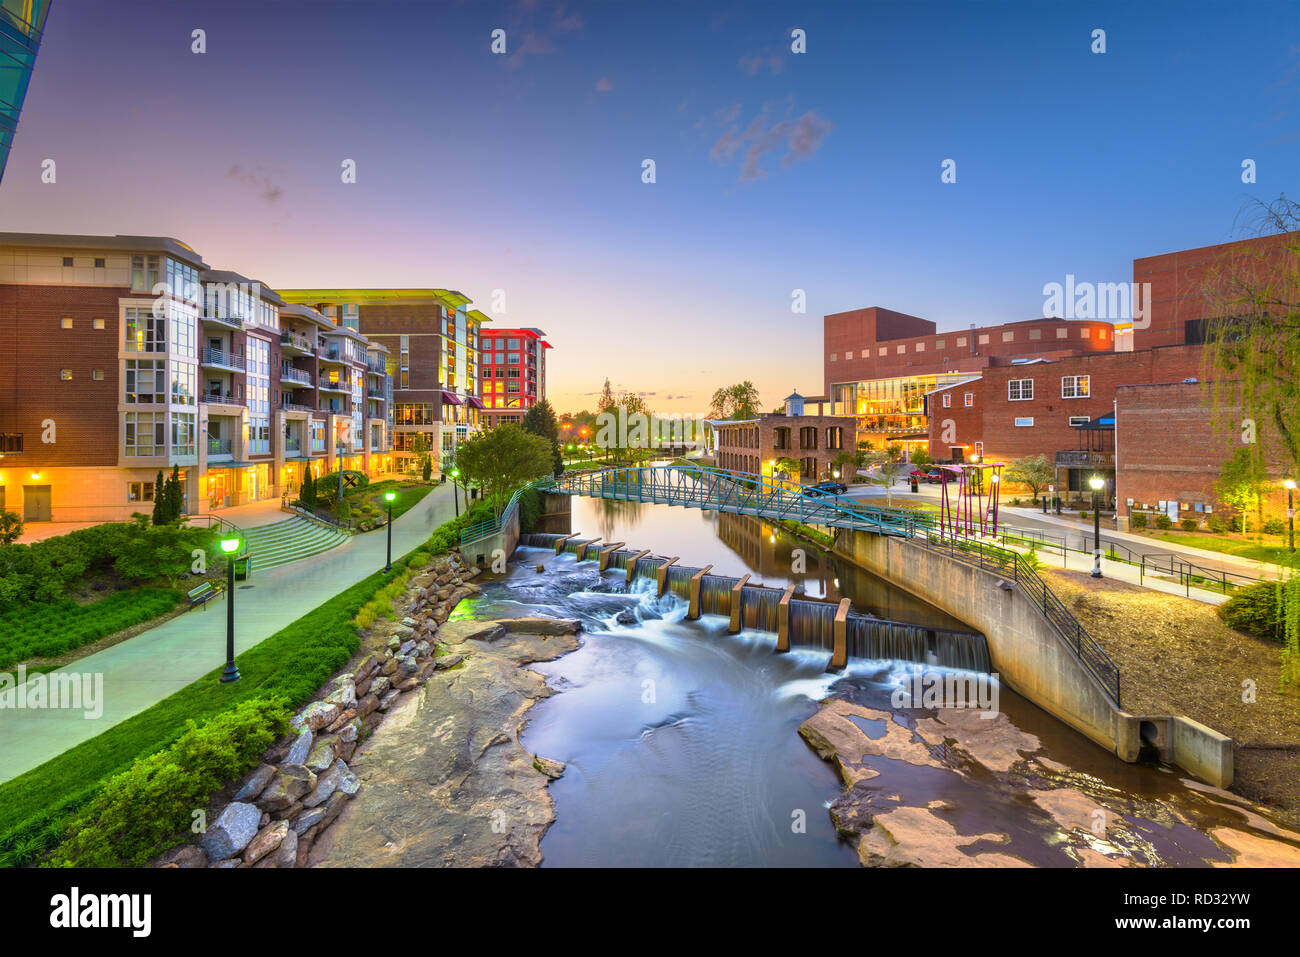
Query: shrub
x,y
1138,520
1188,524
1275,526
1256,610
36,629
145,808
11,527
1234,523
1083,515
1216,525
1164,522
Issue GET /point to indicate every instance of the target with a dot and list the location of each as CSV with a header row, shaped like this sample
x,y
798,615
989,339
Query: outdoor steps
x,y
289,541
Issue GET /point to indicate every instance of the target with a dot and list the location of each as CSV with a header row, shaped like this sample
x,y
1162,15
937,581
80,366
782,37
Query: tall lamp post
x,y
230,546
388,497
1290,511
1096,482
455,491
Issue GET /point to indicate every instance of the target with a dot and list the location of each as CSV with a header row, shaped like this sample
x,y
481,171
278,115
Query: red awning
x,y
449,398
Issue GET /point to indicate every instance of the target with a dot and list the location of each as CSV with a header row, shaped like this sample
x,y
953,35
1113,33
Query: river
x,y
682,746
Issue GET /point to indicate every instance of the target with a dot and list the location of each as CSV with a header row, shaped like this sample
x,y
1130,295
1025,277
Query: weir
x,y
808,622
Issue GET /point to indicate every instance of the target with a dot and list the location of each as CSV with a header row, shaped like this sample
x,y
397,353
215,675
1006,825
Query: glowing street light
x,y
388,497
1097,483
230,546
455,493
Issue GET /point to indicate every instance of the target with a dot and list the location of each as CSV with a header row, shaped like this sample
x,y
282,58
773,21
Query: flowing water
x,y
681,740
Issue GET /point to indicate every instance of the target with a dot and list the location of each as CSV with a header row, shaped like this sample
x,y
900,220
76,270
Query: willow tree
x,y
1254,357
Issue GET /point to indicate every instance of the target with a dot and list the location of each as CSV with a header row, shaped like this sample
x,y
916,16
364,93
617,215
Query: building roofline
x,y
165,244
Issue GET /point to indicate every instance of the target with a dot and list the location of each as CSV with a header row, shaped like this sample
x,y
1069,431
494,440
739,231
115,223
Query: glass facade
x,y
21,25
890,410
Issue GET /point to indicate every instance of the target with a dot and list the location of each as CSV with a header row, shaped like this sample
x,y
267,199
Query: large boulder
x,y
256,782
322,753
300,748
230,833
541,625
290,783
267,840
316,715
326,784
285,853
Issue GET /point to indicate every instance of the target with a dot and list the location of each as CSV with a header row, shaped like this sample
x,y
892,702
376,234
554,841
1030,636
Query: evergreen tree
x,y
175,496
159,500
426,470
308,493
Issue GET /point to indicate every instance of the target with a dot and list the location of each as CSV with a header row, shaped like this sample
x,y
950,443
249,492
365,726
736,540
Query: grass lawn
x,y
1260,551
369,503
45,630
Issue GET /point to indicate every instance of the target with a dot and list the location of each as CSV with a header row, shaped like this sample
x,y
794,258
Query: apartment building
x,y
432,343
123,356
513,372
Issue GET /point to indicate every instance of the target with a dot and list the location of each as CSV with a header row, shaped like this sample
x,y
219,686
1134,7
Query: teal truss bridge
x,y
742,494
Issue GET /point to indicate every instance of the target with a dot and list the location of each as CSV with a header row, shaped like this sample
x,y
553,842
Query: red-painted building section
x,y
513,373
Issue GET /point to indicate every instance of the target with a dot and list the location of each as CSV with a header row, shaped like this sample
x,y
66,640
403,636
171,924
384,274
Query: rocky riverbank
x,y
1053,816
423,725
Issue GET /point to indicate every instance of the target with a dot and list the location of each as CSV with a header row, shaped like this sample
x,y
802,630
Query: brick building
x,y
815,441
123,356
880,364
513,373
432,339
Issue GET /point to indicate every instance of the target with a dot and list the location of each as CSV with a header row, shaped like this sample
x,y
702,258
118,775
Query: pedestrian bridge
x,y
718,490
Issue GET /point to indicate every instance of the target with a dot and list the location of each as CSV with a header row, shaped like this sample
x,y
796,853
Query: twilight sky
x,y
775,171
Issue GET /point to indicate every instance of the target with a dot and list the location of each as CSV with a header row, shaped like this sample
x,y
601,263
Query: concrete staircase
x,y
289,541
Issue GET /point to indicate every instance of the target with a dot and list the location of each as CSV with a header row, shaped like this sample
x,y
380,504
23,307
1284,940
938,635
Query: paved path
x,y
145,669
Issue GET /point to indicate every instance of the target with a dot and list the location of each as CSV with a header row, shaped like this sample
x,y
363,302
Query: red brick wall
x,y
994,425
749,447
1179,282
33,348
1172,444
925,351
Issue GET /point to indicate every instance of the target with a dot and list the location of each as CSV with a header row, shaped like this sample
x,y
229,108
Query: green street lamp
x,y
455,491
388,497
230,546
1290,511
1096,482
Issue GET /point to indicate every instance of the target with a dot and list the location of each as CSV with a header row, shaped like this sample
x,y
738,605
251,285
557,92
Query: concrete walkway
x,y
143,670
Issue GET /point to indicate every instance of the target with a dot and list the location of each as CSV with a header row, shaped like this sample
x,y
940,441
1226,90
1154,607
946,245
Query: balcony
x,y
287,406
228,322
331,354
333,385
220,398
294,377
378,368
295,344
218,448
219,359
292,445
334,408
374,393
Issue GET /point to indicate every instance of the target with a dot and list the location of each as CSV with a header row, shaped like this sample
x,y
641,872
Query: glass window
x,y
1074,387
144,383
144,273
145,433
1020,390
145,332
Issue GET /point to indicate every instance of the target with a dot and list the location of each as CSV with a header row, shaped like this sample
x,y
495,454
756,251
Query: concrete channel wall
x,y
1032,658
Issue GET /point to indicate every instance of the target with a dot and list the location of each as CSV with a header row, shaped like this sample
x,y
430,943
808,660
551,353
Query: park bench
x,y
203,594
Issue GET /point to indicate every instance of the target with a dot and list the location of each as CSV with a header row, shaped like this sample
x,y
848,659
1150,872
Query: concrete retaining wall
x,y
1029,655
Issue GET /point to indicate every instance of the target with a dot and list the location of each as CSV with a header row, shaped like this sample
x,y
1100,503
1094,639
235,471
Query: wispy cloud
x,y
270,193
753,64
773,130
604,85
532,30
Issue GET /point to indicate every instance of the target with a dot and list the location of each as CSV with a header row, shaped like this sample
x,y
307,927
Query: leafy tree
x,y
500,460
1255,341
788,467
1036,471
159,500
921,459
540,420
891,464
739,401
11,527
847,463
1243,482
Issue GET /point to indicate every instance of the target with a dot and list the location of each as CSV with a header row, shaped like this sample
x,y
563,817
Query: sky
x,y
774,170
